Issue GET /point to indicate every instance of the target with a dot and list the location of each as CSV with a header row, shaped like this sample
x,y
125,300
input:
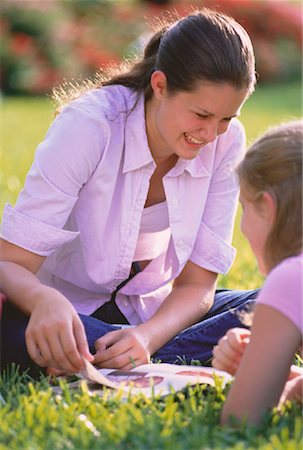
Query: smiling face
x,y
184,122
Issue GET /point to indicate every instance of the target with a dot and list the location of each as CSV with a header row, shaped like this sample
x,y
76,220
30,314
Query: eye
x,y
201,116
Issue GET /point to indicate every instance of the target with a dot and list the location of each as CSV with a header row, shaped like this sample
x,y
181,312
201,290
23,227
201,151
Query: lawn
x,y
31,417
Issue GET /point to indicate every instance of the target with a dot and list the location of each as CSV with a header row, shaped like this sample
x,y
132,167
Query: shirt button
x,y
125,303
175,201
181,242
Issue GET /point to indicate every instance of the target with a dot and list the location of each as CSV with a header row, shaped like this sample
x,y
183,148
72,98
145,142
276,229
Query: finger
x,y
224,361
37,356
132,365
99,346
109,339
116,344
33,349
224,348
238,338
224,364
73,358
46,350
61,358
231,347
121,361
81,340
142,358
121,347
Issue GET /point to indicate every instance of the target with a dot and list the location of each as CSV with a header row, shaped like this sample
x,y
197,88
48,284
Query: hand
x,y
122,349
293,390
55,337
230,348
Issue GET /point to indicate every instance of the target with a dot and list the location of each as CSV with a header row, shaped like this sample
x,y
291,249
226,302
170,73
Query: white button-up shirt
x,y
84,195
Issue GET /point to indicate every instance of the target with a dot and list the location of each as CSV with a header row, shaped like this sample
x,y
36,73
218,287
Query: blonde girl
x,y
271,198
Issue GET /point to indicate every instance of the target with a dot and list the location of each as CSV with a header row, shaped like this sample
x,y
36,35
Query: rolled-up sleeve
x,y
63,164
216,256
213,249
31,234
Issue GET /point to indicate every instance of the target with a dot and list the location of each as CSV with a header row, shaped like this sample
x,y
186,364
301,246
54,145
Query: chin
x,y
190,154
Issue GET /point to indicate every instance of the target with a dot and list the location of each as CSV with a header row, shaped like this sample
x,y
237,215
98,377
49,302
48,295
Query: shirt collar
x,y
195,167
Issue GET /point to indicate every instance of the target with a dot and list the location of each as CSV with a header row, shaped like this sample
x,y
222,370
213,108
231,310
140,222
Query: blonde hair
x,y
274,164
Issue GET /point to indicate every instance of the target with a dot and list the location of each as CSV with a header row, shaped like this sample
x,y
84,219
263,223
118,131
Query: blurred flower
x,y
22,44
44,42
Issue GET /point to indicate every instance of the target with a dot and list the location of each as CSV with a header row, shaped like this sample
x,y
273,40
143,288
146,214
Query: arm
x,y
265,366
191,298
55,336
64,163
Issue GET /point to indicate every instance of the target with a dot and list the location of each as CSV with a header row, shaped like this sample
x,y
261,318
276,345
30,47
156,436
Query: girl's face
x,y
183,123
256,224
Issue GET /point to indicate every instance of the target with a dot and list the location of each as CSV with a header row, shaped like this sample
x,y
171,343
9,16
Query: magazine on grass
x,y
153,379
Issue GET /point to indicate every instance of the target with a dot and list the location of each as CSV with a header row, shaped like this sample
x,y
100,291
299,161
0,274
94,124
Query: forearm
x,y
186,305
20,286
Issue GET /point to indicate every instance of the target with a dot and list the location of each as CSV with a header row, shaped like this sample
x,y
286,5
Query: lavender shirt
x,y
84,195
283,290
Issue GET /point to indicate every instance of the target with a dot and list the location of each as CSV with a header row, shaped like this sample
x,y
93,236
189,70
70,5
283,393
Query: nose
x,y
210,131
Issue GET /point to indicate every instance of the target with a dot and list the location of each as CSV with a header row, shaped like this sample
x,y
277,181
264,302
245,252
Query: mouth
x,y
193,141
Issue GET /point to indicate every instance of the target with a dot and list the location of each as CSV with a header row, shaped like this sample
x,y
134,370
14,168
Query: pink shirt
x,y
83,200
283,289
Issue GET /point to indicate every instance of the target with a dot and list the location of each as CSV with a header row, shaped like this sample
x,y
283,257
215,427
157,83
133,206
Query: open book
x,y
153,379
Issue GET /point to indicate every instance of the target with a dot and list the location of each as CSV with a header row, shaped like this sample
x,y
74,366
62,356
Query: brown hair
x,y
274,164
205,45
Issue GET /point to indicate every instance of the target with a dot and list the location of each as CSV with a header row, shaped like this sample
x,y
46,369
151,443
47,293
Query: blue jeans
x,y
195,342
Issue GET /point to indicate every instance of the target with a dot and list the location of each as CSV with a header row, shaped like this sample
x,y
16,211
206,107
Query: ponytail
x,y
203,46
137,76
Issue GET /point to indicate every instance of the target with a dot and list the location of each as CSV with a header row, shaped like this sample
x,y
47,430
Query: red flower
x,y
22,44
94,57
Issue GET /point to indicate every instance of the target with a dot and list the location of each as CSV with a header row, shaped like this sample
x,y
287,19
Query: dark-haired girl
x,y
113,248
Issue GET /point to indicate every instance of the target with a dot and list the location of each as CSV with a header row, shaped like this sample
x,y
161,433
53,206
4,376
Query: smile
x,y
193,140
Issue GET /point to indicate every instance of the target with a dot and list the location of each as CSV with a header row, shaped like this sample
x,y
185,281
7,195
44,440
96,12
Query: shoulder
x,y
288,271
236,128
235,132
232,143
227,150
234,139
282,289
84,127
107,103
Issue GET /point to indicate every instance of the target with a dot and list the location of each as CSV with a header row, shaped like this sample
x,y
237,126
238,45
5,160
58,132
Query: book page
x,y
92,374
201,373
153,379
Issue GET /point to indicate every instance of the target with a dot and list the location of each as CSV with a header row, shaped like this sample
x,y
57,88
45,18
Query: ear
x,y
268,207
158,82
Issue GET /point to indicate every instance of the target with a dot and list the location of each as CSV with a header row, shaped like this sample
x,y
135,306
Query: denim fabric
x,y
195,342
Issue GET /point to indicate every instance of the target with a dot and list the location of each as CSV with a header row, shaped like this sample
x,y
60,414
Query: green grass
x,y
31,417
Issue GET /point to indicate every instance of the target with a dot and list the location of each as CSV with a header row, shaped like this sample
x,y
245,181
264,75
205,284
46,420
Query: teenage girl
x,y
127,213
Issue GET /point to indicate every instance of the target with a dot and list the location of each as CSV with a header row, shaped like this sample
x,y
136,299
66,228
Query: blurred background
x,y
45,42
